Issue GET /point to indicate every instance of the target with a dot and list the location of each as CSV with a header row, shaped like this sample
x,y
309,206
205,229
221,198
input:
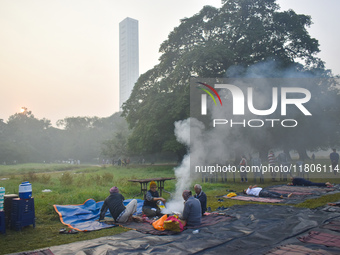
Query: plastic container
x,y
160,205
2,195
25,190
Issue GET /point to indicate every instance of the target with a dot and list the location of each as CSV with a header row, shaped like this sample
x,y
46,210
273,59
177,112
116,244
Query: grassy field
x,y
73,184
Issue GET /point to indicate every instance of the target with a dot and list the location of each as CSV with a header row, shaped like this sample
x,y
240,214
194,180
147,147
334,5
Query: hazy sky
x,y
60,58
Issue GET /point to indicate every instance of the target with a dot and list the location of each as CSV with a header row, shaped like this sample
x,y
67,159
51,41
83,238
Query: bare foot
x,y
137,219
329,185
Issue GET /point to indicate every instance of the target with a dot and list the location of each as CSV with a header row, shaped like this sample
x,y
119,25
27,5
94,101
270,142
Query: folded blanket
x,y
321,238
296,250
147,228
333,225
255,199
300,190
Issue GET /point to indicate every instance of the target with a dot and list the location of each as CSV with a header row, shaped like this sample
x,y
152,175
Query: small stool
x,y
2,222
23,213
8,208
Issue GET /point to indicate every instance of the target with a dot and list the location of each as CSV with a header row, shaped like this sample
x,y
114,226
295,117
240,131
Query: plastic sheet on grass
x,y
257,229
84,217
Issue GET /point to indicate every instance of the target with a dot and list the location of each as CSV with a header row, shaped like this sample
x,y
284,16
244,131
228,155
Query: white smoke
x,y
222,143
183,173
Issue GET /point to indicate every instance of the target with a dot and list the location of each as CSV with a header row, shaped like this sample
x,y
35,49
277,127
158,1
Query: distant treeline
x,y
24,138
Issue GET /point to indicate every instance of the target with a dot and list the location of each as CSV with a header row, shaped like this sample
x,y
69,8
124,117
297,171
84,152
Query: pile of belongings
x,y
172,223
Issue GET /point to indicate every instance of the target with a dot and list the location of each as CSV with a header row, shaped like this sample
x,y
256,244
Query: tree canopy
x,y
214,43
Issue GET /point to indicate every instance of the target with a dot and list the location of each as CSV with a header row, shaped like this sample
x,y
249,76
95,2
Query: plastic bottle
x,y
160,205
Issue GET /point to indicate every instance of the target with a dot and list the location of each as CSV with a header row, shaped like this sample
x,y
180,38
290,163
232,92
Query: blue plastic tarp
x,y
84,217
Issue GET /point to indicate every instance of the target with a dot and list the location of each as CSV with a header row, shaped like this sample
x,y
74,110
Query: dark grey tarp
x,y
299,194
256,230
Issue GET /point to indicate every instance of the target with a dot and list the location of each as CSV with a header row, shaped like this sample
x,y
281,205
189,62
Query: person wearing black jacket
x,y
118,211
201,196
334,157
296,181
150,207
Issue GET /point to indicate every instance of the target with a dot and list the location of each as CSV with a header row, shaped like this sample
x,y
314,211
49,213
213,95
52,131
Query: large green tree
x,y
82,137
25,138
210,44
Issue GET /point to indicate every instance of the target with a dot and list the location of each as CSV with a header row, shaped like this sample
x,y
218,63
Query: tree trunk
x,y
180,154
302,154
263,153
286,151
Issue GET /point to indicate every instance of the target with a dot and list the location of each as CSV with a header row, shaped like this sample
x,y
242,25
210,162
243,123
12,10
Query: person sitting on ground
x,y
192,213
150,207
260,192
119,212
297,181
201,196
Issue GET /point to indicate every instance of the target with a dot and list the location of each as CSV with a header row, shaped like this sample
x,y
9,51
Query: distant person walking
x,y
334,157
271,163
242,166
283,161
257,168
